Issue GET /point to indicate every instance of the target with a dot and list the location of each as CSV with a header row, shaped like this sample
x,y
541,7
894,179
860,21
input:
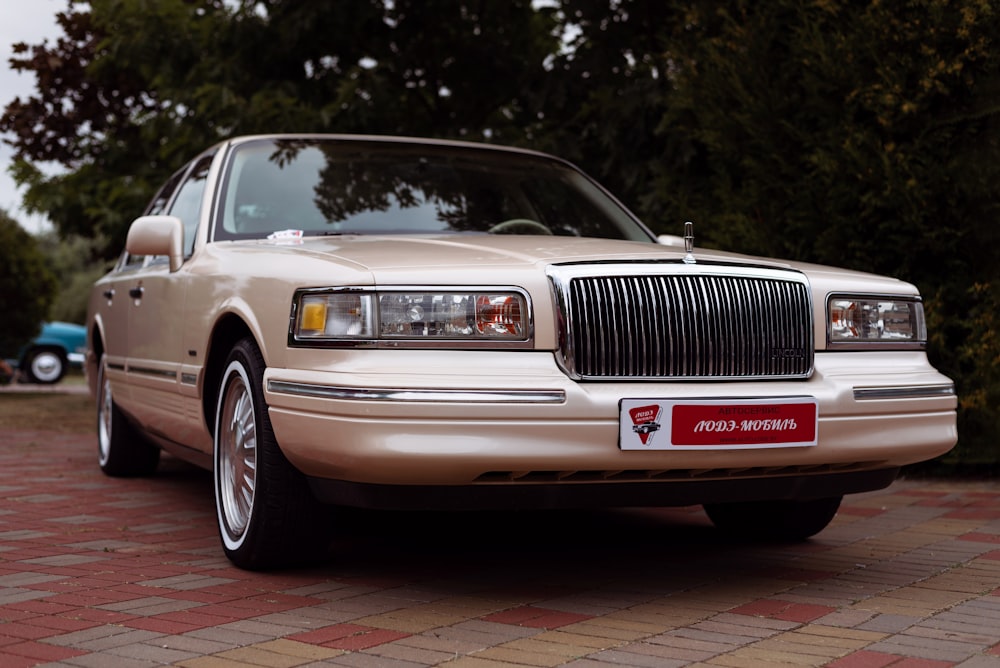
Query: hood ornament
x,y
689,243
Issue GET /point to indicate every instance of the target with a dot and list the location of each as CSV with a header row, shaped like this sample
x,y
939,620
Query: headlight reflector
x,y
876,320
498,315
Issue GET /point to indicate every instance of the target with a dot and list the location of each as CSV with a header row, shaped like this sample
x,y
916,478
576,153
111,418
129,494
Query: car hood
x,y
388,257
381,253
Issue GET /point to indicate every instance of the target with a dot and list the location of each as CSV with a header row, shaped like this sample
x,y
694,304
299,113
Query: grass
x,y
51,411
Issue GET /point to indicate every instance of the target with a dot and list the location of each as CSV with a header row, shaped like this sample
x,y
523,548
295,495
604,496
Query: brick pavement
x,y
97,572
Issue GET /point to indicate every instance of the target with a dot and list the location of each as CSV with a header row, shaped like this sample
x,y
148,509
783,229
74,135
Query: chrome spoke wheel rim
x,y
104,419
237,458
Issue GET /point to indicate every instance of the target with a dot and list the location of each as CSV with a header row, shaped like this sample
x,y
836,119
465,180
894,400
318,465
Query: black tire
x,y
122,451
774,520
44,365
266,515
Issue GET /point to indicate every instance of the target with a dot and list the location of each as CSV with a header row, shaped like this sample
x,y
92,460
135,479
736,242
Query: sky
x,y
30,21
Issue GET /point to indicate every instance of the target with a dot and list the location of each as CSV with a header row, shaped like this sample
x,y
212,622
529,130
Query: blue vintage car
x,y
49,354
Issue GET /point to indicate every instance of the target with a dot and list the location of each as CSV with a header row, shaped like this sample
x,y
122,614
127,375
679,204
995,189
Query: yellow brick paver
x,y
752,656
211,662
579,640
847,635
790,643
301,650
255,656
931,599
804,639
476,661
652,622
407,622
894,606
612,629
947,527
514,655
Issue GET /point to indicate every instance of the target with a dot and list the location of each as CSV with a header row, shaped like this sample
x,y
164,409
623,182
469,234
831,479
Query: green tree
x,y
979,359
75,263
822,132
861,136
606,91
87,117
26,286
133,89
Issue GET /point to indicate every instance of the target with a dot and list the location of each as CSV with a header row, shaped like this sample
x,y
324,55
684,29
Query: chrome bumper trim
x,y
907,392
438,396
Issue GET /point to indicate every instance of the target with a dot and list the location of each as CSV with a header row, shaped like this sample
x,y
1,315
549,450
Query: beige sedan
x,y
402,323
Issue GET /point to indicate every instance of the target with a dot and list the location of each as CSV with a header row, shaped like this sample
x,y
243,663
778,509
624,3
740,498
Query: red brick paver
x,y
101,571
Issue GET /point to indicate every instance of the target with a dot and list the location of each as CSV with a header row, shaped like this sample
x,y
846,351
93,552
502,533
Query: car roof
x,y
391,139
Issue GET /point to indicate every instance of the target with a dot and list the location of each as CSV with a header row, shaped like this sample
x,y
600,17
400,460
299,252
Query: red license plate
x,y
736,423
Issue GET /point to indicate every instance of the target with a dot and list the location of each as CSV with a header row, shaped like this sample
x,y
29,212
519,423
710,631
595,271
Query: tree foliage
x,y
606,93
850,137
26,286
855,134
132,89
75,263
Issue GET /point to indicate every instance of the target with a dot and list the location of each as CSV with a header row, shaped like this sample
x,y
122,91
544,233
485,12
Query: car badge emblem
x,y
645,421
689,243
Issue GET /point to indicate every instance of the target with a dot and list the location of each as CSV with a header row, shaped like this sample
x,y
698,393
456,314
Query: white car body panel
x,y
160,349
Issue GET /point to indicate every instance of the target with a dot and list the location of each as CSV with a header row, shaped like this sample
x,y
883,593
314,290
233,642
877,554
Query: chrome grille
x,y
695,322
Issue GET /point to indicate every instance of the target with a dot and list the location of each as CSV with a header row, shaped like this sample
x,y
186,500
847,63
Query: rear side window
x,y
160,201
187,203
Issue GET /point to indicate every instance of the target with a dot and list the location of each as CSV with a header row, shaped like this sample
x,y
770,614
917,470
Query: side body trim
x,y
904,392
410,395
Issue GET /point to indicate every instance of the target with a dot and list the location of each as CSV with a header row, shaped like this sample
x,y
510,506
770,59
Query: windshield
x,y
337,186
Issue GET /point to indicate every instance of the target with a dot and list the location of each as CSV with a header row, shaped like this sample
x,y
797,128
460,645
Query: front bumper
x,y
371,419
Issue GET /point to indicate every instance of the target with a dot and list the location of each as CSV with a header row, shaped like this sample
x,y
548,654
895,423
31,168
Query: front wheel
x,y
774,520
267,517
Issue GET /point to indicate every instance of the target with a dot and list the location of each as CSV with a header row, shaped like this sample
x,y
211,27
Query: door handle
x,y
109,294
136,293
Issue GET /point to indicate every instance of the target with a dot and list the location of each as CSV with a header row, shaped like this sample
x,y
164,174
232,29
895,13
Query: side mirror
x,y
157,235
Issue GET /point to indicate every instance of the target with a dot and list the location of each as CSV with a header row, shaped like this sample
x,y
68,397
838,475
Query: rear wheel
x,y
122,451
45,365
266,514
774,520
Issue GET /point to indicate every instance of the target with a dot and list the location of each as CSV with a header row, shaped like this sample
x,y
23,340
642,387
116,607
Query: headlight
x,y
885,321
347,316
335,315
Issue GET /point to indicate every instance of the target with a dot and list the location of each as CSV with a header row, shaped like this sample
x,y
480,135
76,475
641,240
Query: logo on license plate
x,y
645,421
